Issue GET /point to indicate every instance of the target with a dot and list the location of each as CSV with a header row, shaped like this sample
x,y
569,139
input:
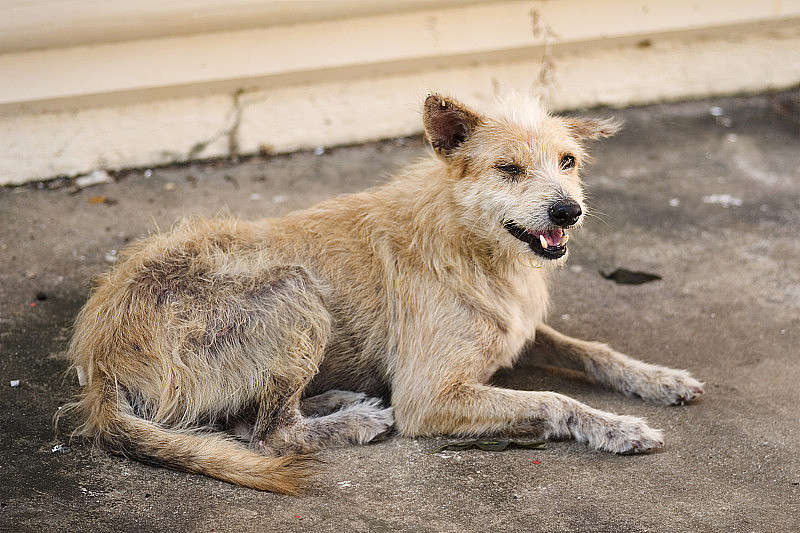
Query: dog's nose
x,y
565,213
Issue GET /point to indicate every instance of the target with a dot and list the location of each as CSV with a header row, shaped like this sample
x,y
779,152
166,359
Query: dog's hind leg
x,y
606,366
362,421
300,335
356,423
330,401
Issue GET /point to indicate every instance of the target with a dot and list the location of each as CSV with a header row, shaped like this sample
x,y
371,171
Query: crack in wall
x,y
233,133
545,83
230,134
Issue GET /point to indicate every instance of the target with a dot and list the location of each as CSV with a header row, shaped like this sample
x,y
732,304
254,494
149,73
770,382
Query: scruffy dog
x,y
285,332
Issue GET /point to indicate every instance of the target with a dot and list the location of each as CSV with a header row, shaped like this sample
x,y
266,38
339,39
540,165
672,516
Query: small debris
x,y
32,304
148,173
59,448
15,383
169,186
716,111
345,484
674,202
536,462
233,181
93,178
319,150
111,256
789,108
623,276
725,200
98,200
82,381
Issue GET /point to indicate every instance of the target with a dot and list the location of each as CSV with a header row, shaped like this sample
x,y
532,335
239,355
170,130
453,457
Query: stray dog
x,y
286,332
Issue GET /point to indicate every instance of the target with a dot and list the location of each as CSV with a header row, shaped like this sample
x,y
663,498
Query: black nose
x,y
565,213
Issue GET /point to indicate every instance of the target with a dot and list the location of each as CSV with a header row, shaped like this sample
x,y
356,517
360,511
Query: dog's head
x,y
515,171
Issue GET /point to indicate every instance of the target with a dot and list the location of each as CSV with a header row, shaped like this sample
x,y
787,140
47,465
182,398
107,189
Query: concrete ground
x,y
705,194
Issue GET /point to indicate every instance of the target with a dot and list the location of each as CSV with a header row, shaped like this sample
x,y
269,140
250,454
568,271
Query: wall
x,y
89,84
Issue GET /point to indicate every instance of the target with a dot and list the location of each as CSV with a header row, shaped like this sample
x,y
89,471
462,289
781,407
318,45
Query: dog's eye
x,y
510,169
567,162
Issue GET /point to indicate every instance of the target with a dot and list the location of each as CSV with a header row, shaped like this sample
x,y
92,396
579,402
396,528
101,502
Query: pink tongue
x,y
553,236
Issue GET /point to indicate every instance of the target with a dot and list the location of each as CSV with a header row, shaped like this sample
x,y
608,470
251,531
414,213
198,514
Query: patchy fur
x,y
284,332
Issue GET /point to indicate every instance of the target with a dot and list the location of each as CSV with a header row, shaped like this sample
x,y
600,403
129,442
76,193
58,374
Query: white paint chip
x,y
724,200
81,375
93,178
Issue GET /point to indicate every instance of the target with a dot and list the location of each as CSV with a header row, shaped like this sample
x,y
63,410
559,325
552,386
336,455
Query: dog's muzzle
x,y
550,243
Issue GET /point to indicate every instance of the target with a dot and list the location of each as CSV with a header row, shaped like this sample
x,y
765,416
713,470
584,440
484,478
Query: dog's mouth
x,y
550,244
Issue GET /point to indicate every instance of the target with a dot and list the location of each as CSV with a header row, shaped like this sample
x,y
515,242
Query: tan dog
x,y
416,291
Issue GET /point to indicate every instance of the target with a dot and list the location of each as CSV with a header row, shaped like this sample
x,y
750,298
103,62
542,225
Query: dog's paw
x,y
385,421
624,435
668,386
684,388
373,420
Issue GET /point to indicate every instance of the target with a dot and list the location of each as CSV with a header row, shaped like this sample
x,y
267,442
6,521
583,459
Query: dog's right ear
x,y
448,123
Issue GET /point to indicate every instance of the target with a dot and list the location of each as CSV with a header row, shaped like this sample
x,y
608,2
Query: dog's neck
x,y
428,224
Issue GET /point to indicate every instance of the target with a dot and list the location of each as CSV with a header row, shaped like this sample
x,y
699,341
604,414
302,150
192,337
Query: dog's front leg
x,y
615,370
459,407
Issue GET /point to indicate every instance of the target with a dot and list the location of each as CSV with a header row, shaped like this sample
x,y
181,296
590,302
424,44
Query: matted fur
x,y
282,332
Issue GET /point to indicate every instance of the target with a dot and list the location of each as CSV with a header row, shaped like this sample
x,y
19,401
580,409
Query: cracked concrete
x,y
229,134
727,308
233,133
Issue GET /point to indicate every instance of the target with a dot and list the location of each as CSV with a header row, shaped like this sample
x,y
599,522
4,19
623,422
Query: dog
x,y
234,349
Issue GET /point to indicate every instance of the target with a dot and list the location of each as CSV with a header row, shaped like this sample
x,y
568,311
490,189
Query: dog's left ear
x,y
592,128
448,123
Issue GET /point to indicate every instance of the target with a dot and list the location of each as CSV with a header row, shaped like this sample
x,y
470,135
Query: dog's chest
x,y
520,306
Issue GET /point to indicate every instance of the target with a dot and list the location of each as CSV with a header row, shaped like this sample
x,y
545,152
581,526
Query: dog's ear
x,y
448,123
592,128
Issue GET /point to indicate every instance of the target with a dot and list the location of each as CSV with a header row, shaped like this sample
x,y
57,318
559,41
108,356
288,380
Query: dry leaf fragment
x,y
489,445
624,276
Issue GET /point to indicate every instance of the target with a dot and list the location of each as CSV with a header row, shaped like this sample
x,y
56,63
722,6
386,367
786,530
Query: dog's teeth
x,y
564,239
543,241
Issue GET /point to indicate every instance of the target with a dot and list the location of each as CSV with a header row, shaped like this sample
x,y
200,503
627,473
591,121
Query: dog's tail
x,y
113,423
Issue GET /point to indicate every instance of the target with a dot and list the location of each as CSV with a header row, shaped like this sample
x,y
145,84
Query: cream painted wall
x,y
113,87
